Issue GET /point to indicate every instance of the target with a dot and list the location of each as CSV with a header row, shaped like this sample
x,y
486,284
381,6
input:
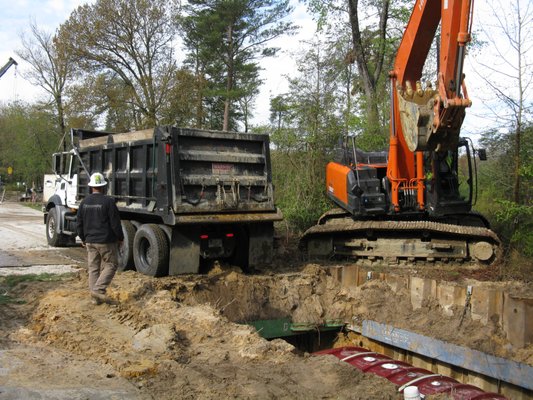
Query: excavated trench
x,y
201,334
196,335
343,305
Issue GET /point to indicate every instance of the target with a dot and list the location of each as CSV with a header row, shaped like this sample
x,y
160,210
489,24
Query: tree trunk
x,y
517,164
61,119
369,80
199,91
229,85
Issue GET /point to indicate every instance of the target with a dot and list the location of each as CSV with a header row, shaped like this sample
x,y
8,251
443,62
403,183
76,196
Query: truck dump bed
x,y
181,175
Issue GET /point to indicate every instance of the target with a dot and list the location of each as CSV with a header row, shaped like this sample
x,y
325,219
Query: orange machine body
x,y
337,182
405,169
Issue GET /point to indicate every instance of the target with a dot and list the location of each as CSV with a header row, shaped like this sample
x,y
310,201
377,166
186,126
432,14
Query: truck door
x,y
66,177
72,182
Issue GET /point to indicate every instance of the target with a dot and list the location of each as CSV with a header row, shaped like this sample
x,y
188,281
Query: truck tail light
x,y
204,237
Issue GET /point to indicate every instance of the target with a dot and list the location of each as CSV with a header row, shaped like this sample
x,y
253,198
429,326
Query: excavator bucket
x,y
416,115
430,123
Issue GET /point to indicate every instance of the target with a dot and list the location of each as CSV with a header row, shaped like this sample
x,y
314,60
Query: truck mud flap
x,y
184,251
261,238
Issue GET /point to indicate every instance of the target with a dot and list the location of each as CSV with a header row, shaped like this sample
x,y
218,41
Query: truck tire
x,y
125,253
53,238
151,250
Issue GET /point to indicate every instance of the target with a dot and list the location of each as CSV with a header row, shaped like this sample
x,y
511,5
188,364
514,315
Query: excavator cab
x,y
449,180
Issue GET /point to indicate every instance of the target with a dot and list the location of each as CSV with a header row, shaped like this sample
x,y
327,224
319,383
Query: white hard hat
x,y
97,180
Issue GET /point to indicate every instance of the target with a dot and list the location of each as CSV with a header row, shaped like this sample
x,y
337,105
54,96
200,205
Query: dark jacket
x,y
98,220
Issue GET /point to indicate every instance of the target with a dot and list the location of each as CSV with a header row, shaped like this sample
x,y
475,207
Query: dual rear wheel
x,y
145,249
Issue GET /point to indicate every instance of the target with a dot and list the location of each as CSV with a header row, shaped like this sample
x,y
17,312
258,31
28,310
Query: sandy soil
x,y
186,337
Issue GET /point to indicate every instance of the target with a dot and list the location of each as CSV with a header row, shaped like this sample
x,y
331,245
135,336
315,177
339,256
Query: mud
x,y
165,348
187,337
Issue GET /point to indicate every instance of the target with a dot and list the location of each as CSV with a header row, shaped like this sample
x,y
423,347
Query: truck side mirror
x,y
482,153
57,164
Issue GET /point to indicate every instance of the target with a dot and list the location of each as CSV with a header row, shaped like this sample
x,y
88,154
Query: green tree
x,y
513,221
132,39
375,29
28,137
509,75
225,38
307,122
506,180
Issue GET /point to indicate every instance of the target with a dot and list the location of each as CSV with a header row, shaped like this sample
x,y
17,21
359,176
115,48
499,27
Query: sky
x,y
49,14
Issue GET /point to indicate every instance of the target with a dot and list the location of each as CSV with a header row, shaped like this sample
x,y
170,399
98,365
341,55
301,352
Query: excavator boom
x,y
431,119
427,119
8,65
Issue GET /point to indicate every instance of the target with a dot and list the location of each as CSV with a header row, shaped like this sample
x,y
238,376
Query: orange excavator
x,y
414,201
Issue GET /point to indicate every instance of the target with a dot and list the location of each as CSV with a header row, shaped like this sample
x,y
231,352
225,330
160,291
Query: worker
x,y
100,231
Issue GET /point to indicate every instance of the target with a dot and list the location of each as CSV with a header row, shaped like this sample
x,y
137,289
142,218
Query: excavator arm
x,y
431,119
427,119
8,65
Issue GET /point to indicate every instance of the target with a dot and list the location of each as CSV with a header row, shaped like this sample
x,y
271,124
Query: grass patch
x,y
11,281
35,206
7,299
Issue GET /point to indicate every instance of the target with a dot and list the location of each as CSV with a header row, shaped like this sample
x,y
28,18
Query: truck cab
x,y
61,207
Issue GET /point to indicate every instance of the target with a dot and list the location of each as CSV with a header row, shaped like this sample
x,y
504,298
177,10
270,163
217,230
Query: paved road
x,y
23,246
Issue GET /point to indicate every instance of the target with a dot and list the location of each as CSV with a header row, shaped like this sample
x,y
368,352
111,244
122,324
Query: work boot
x,y
95,302
102,298
99,298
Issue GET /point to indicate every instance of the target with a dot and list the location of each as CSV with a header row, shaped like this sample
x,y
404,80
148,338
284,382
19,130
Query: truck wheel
x,y
54,239
150,250
125,253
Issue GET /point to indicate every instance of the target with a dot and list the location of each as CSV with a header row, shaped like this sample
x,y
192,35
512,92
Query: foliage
x,y
509,76
512,220
373,29
298,178
520,218
224,40
28,136
50,68
133,40
306,123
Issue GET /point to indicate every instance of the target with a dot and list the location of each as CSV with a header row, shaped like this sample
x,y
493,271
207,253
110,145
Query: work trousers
x,y
103,263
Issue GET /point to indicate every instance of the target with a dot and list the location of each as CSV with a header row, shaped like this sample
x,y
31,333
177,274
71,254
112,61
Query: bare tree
x,y
509,72
133,39
50,67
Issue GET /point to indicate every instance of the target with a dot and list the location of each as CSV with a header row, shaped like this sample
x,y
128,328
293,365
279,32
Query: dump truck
x,y
185,196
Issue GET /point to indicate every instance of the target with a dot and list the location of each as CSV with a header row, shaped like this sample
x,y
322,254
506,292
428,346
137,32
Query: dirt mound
x,y
157,338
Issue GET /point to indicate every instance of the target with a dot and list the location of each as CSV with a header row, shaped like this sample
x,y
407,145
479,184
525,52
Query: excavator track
x,y
394,241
